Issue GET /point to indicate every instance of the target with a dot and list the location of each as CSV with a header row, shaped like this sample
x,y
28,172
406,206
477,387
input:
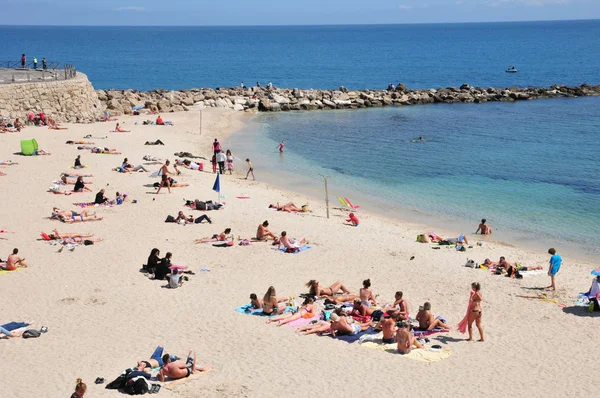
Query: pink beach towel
x,y
462,326
301,322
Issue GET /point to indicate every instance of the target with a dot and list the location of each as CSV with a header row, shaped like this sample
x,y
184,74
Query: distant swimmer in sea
x,y
281,146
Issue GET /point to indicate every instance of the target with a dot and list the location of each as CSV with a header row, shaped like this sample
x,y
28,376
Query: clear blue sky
x,y
287,12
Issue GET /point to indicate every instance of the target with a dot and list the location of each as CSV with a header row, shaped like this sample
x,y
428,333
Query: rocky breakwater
x,y
281,99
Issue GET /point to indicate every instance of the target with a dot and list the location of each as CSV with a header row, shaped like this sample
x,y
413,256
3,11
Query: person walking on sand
x,y
250,169
484,228
164,175
221,158
555,263
281,146
475,311
229,161
216,147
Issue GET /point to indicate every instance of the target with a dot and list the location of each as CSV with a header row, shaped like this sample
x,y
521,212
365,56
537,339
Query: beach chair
x,y
346,204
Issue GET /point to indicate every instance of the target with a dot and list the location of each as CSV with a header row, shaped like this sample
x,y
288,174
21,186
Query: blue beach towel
x,y
356,337
300,249
14,326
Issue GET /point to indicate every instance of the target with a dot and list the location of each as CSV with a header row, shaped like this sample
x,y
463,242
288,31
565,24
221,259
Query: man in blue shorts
x,y
555,262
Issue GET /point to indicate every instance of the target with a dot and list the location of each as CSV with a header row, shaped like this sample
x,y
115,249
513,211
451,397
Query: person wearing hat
x,y
340,325
405,339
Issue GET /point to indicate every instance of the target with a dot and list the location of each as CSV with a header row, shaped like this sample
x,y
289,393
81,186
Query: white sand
x,y
103,314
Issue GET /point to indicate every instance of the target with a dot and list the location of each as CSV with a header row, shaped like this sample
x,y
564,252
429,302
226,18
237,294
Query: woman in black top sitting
x,y
78,164
162,268
153,260
100,198
80,186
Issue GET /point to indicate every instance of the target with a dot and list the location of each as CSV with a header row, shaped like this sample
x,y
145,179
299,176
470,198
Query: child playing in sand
x,y
353,220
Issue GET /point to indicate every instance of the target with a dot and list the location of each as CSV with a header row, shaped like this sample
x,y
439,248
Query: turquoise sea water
x,y
530,168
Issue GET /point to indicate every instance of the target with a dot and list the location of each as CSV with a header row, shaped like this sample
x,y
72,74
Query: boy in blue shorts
x,y
555,262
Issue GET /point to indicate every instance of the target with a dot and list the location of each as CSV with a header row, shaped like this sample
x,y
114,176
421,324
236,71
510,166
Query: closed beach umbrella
x,y
217,186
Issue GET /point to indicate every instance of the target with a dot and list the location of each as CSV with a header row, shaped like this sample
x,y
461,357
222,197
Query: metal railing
x,y
19,72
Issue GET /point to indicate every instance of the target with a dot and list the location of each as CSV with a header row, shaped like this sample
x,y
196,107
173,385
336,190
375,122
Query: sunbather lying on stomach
x,y
216,238
289,207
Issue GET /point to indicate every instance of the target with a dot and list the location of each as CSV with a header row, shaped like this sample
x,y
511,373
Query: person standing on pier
x,y
23,61
34,63
44,65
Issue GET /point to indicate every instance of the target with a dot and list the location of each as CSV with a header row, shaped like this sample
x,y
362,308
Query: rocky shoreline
x,y
261,99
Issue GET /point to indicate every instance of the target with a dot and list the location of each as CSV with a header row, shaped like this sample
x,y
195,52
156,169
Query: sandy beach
x,y
103,315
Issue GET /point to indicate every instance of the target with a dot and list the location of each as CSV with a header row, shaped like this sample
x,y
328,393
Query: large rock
x,y
238,107
102,95
280,99
164,105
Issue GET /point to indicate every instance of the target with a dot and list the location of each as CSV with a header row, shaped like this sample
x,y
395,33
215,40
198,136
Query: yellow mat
x,y
175,384
423,355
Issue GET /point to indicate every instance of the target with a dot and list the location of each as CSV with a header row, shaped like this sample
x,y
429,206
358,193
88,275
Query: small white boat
x,y
511,69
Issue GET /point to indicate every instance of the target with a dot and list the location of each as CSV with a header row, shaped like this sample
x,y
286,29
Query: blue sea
x,y
531,168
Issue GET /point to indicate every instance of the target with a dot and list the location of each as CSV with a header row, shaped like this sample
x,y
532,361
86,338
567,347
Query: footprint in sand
x,y
94,301
68,300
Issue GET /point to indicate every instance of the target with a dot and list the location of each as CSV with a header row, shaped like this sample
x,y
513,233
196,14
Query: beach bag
x,y
119,382
376,315
31,333
200,205
471,264
170,219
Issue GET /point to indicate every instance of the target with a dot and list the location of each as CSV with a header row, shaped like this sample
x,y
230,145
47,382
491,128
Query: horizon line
x,y
304,25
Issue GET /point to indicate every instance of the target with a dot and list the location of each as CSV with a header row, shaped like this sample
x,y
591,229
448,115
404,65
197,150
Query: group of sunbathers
x,y
330,311
512,270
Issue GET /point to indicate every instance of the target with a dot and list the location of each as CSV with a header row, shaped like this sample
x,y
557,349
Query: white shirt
x,y
194,166
174,281
221,157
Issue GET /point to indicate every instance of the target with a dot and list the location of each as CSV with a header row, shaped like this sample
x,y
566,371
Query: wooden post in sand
x,y
326,195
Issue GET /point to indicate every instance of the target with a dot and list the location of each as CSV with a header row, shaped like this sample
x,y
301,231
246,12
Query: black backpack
x,y
137,387
170,219
31,333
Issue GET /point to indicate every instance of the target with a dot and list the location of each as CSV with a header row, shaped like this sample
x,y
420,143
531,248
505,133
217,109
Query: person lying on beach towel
x,y
55,235
106,151
183,154
14,261
315,288
157,142
289,207
179,369
222,237
40,152
307,311
69,216
514,270
427,321
314,328
7,163
80,142
341,326
8,334
340,299
67,179
262,233
290,245
128,167
188,164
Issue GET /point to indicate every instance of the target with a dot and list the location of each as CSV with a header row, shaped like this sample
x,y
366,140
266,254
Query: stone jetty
x,y
261,99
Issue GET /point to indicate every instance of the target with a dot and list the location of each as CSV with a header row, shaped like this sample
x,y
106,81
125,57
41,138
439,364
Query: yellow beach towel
x,y
423,355
175,384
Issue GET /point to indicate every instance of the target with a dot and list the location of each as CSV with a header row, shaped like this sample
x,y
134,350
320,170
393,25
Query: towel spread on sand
x,y
423,355
300,249
172,385
14,326
4,271
353,338
258,312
